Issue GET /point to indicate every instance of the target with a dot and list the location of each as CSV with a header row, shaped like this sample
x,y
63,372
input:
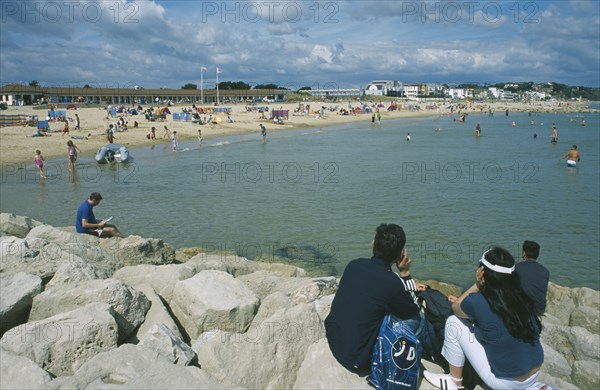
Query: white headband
x,y
497,268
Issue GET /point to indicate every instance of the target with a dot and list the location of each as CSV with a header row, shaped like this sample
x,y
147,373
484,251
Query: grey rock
x,y
233,265
560,302
62,343
320,370
314,289
270,305
16,296
299,289
16,225
268,355
323,306
586,374
73,270
135,367
161,339
158,314
135,250
586,317
585,345
213,300
130,305
18,372
162,278
585,296
555,363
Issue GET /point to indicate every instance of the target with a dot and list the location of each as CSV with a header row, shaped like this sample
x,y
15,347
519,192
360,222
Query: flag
x,y
203,68
219,70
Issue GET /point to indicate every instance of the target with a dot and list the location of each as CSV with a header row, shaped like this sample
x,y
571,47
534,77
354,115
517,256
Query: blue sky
x,y
321,44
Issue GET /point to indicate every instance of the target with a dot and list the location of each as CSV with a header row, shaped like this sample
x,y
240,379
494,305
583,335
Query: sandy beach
x,y
17,145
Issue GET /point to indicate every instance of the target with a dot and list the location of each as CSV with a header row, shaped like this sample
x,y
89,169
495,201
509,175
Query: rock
x,y
585,296
31,255
184,254
560,303
16,225
268,355
135,367
213,300
270,305
158,314
585,374
281,269
130,305
557,336
16,295
62,343
161,339
73,270
233,265
586,317
314,289
555,363
135,250
17,372
585,345
162,278
323,306
320,370
299,289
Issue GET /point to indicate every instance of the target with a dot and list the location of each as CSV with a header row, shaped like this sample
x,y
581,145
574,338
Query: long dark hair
x,y
507,299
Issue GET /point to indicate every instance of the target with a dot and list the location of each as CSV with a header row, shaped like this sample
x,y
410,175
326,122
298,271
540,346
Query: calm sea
x,y
314,197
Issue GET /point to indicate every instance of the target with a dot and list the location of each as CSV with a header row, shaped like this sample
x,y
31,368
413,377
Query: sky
x,y
316,43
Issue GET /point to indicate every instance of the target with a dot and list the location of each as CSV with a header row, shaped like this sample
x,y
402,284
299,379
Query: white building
x,y
384,88
412,91
459,93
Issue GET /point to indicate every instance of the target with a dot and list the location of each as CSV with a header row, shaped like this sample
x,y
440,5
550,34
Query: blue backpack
x,y
396,357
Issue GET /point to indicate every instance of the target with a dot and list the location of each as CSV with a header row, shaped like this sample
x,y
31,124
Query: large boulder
x,y
130,305
16,225
18,372
268,355
213,300
74,270
134,250
161,339
299,289
134,367
586,374
62,343
162,278
560,303
233,265
30,255
158,314
320,370
16,296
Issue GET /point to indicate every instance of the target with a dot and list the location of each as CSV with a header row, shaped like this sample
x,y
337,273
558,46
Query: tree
x,y
229,85
190,86
305,89
87,86
34,83
266,86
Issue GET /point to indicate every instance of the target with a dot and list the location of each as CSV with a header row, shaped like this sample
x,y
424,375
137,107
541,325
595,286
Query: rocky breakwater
x,y
81,312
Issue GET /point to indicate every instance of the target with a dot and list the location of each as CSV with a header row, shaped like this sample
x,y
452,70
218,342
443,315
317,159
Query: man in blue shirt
x,y
368,291
534,276
86,220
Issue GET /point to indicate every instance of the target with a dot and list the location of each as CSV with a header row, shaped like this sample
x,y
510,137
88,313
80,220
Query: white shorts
x,y
571,163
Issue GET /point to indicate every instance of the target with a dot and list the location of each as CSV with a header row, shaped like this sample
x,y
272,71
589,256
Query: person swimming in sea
x,y
573,156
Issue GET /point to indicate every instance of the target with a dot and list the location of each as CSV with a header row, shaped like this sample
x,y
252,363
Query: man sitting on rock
x,y
534,276
368,291
86,221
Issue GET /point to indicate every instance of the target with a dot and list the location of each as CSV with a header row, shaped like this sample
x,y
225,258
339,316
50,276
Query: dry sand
x,y
17,145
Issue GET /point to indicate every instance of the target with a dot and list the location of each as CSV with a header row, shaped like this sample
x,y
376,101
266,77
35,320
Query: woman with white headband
x,y
495,328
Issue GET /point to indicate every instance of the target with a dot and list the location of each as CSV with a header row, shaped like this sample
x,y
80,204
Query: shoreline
x,y
18,147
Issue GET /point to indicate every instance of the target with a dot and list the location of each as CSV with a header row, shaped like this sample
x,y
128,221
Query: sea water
x,y
313,197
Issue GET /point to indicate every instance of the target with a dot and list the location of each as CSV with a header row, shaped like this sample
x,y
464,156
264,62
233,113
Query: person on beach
x,y
408,138
166,132
378,117
110,134
573,156
39,163
554,136
72,150
200,139
174,141
534,276
77,122
367,292
505,351
86,222
373,119
65,128
477,130
263,132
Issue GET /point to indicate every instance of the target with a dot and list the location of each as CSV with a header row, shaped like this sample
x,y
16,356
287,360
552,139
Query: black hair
x,y
95,196
531,249
506,298
389,242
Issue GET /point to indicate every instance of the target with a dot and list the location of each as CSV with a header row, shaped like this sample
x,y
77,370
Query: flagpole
x,y
202,84
217,86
